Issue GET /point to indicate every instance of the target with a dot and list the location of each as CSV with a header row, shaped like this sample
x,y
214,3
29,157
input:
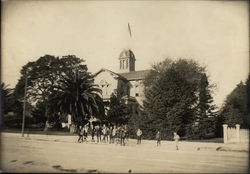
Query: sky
x,y
214,33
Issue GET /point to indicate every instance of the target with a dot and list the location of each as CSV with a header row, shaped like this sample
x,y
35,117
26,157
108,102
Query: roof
x,y
135,75
127,53
116,74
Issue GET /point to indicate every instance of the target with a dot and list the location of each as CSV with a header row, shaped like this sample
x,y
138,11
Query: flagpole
x,y
129,37
129,30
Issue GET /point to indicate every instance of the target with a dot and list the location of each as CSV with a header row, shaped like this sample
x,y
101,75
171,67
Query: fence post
x,y
225,132
238,132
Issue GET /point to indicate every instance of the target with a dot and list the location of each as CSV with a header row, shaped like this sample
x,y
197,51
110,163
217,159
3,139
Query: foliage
x,y
13,109
6,102
42,77
14,120
235,107
118,112
39,114
205,115
77,95
137,121
172,93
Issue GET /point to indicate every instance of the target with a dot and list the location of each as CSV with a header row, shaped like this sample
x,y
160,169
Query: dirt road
x,y
41,153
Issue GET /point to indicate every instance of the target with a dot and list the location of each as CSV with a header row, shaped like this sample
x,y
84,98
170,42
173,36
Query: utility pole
x,y
24,102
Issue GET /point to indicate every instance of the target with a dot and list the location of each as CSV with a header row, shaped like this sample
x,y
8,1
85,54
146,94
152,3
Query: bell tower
x,y
127,61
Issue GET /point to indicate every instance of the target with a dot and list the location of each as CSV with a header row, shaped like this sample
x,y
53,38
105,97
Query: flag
x,y
129,30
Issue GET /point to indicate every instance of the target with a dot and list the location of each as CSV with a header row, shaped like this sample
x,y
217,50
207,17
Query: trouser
x,y
122,141
118,139
158,142
104,138
176,145
110,139
107,137
113,139
98,138
85,136
80,139
138,139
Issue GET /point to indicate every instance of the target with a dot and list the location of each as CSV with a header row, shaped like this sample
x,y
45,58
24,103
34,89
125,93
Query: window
x,y
137,90
107,89
127,64
123,64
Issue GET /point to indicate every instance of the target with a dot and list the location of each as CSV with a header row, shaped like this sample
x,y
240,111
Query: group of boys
x,y
111,134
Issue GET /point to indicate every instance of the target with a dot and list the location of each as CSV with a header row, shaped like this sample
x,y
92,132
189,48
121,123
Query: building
x,y
128,82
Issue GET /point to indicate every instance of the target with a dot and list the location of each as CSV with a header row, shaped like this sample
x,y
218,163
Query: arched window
x,y
107,89
123,64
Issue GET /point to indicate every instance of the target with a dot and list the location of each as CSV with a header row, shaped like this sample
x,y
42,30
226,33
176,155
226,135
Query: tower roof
x,y
127,53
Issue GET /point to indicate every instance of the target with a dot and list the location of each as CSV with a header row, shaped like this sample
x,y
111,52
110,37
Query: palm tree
x,y
77,95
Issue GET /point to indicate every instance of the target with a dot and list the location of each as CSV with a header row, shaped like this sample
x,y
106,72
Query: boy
x,y
80,134
113,134
92,133
104,133
108,133
85,132
176,139
139,134
158,138
123,134
98,133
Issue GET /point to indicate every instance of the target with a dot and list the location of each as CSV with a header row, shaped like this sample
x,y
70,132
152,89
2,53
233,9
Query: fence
x,y
235,134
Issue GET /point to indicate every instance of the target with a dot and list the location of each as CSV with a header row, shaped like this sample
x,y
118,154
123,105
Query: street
x,y
53,153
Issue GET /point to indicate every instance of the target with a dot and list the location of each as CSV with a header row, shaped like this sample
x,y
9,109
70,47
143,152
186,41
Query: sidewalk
x,y
170,145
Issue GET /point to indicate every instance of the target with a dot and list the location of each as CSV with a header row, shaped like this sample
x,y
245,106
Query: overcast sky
x,y
215,33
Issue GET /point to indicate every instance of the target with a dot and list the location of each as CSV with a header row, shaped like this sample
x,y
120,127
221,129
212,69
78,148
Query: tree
x,y
172,97
205,115
6,96
168,103
235,107
39,114
234,116
42,76
77,95
12,109
118,112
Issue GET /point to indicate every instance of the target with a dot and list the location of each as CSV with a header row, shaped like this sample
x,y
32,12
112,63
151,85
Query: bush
x,y
12,121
